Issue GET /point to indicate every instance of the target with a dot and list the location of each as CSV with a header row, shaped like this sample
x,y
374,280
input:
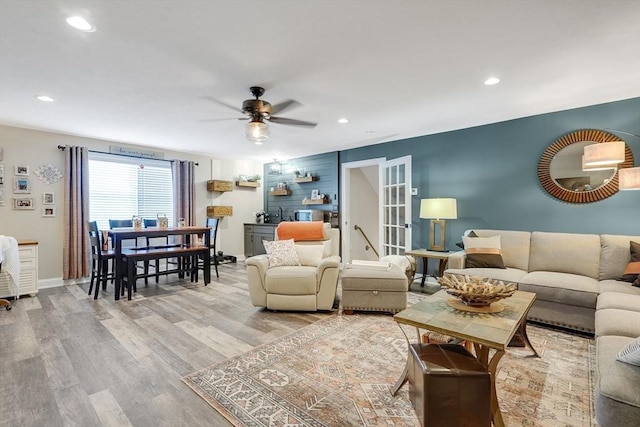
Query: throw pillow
x,y
483,252
281,252
471,234
633,268
630,353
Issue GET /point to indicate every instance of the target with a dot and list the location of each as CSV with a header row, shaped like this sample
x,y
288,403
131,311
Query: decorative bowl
x,y
477,291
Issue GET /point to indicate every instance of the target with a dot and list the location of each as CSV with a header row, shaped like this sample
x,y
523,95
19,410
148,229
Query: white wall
x,y
34,148
364,212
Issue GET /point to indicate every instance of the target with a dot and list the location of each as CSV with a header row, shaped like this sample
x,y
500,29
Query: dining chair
x,y
128,223
212,223
100,271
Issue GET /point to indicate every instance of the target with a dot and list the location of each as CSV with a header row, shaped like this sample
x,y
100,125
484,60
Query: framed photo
x,y
315,194
47,211
21,185
22,170
23,203
48,199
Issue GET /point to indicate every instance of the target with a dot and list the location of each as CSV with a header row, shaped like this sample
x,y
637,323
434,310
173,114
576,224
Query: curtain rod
x,y
62,148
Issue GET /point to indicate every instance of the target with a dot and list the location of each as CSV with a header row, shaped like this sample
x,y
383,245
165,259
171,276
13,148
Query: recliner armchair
x,y
310,286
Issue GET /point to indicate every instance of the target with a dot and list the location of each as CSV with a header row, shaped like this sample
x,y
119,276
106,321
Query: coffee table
x,y
487,331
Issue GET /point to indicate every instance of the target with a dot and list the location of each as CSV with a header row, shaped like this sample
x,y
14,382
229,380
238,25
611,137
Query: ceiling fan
x,y
258,111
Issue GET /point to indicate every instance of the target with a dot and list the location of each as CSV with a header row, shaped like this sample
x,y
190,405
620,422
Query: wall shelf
x,y
315,201
216,211
219,185
305,179
280,193
252,184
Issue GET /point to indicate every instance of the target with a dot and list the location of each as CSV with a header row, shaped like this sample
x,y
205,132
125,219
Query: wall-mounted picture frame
x,y
48,198
315,194
21,170
23,203
21,185
48,211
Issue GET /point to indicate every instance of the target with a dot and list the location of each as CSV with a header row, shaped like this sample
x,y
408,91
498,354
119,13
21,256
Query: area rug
x,y
339,372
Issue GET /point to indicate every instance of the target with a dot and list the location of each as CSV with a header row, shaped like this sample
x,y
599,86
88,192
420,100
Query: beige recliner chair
x,y
310,286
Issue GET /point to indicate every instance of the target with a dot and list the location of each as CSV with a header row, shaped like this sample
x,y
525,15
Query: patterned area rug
x,y
339,372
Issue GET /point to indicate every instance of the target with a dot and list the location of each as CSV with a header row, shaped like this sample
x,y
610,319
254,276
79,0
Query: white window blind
x,y
120,187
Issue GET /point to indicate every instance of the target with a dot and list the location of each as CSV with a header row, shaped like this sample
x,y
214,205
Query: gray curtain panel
x,y
184,190
76,250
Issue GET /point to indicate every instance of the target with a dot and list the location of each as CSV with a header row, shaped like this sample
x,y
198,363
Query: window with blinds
x,y
121,187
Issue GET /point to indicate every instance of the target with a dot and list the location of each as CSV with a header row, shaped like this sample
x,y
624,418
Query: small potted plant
x,y
296,173
254,178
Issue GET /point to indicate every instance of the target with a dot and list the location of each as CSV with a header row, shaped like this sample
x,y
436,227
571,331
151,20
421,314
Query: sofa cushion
x,y
469,234
616,380
565,253
618,300
630,353
564,288
515,246
506,275
483,252
631,271
613,321
614,255
291,280
311,253
281,252
617,286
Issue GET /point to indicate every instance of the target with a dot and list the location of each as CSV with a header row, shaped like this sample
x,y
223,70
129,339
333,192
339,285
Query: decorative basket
x,y
477,291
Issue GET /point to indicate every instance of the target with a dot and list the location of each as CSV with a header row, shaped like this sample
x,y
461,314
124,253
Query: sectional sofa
x,y
575,278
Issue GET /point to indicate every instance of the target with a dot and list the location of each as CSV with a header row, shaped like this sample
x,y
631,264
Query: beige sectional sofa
x,y
575,277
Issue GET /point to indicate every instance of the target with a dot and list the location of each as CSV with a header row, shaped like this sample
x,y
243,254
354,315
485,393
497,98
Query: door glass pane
x,y
401,219
394,236
401,177
394,174
401,191
394,195
394,216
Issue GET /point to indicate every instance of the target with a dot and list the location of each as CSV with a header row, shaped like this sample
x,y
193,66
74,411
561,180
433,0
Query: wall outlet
x,y
414,191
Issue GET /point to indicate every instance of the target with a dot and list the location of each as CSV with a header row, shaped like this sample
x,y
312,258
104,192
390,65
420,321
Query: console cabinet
x,y
254,235
28,253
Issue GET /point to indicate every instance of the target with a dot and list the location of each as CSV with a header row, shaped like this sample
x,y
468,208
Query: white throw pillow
x,y
281,252
630,353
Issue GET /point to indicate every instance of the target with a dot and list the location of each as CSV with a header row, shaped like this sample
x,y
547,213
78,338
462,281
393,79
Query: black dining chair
x,y
100,260
128,223
213,223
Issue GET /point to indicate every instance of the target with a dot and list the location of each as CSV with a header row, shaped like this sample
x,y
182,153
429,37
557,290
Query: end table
x,y
425,255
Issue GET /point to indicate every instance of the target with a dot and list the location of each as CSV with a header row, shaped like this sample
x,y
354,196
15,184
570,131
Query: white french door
x,y
395,206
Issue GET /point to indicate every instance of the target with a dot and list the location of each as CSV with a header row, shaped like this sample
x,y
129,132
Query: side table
x,y
425,255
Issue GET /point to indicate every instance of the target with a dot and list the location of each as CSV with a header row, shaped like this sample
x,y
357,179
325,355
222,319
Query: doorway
x,y
376,208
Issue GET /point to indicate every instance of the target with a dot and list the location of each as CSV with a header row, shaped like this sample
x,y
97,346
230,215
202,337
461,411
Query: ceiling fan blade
x,y
285,105
212,99
291,122
224,119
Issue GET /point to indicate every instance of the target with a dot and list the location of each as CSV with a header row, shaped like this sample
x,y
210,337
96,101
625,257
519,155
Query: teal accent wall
x,y
492,171
323,166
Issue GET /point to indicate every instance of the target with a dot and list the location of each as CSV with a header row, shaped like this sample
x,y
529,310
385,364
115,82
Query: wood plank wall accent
x,y
325,166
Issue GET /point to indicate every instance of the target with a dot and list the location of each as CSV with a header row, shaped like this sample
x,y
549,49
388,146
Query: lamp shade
x,y
629,178
257,131
604,153
587,168
438,208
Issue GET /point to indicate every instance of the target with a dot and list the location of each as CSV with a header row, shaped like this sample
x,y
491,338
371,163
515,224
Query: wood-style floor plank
x,y
70,360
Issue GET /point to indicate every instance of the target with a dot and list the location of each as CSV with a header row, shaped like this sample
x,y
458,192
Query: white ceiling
x,y
395,69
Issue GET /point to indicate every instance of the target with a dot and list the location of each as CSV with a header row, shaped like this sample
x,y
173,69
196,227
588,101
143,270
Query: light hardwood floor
x,y
67,360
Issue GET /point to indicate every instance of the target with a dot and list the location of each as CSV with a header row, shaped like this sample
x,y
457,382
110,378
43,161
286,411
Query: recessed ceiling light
x,y
492,81
343,120
45,98
79,23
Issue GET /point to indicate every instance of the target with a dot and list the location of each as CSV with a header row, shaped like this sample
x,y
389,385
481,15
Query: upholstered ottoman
x,y
366,288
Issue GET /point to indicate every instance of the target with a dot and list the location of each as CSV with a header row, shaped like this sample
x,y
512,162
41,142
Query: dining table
x,y
184,235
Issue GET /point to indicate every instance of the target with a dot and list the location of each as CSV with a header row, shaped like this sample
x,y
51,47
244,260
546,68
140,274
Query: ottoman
x,y
365,288
448,386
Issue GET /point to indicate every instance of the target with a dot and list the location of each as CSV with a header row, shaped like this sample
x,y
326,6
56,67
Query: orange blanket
x,y
299,231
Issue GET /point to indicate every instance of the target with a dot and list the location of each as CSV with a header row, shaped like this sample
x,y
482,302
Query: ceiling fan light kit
x,y
257,131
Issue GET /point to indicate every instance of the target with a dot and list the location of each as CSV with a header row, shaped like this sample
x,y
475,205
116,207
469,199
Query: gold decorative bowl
x,y
476,291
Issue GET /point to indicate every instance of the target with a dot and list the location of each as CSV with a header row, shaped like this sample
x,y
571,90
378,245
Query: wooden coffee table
x,y
487,331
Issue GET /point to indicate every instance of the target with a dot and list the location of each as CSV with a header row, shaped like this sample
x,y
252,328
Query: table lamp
x,y
438,210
